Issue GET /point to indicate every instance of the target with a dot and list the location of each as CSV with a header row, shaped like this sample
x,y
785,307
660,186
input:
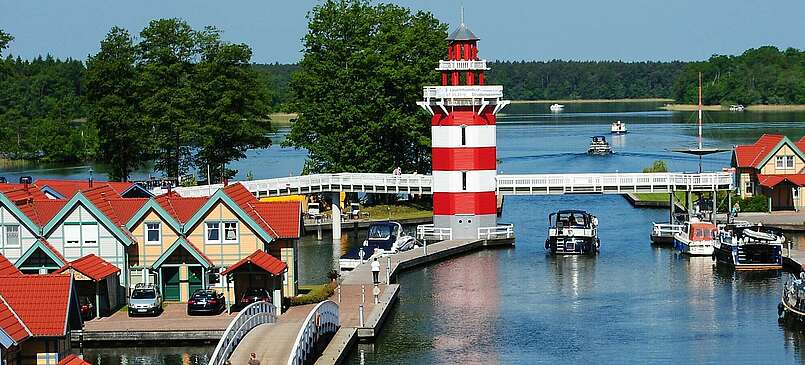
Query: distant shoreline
x,y
582,101
283,119
751,108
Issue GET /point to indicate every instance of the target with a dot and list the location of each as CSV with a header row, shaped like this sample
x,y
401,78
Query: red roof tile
x,y
752,155
68,188
284,218
7,268
21,195
279,219
801,144
40,301
52,249
181,208
262,260
42,211
771,181
92,267
72,359
11,323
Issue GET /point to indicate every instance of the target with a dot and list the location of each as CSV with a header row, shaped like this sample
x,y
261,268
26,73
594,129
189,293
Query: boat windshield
x,y
571,220
703,232
380,231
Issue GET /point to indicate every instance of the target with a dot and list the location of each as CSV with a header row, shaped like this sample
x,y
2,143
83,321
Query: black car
x,y
255,295
206,301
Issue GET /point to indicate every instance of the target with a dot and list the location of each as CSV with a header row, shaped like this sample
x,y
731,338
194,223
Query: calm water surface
x,y
632,303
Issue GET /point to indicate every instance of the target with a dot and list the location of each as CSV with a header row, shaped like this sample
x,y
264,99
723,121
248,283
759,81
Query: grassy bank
x,y
582,101
399,211
282,119
751,108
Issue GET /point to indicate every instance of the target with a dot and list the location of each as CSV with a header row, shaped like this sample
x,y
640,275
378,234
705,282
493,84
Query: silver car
x,y
145,299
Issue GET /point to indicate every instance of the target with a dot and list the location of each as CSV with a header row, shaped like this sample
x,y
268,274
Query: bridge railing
x,y
368,182
430,233
612,182
322,320
249,317
501,231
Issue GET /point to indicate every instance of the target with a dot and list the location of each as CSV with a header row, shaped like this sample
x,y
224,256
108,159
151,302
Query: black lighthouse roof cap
x,y
462,33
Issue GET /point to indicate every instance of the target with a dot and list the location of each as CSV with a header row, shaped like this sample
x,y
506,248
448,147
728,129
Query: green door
x,y
170,283
194,278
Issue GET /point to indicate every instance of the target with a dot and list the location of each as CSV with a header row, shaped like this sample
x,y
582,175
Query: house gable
x,y
788,147
222,198
79,200
146,209
182,243
9,207
39,250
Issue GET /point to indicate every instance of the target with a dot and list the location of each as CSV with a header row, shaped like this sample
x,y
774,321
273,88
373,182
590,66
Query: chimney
x,y
91,178
26,180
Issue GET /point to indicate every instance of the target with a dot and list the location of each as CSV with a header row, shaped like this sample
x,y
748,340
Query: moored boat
x,y
750,247
618,127
792,301
556,107
696,238
572,232
599,146
383,238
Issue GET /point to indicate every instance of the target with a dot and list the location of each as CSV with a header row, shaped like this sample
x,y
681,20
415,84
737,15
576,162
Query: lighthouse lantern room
x,y
463,137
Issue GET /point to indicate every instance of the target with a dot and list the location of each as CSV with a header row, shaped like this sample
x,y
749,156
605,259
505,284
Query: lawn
x,y
398,211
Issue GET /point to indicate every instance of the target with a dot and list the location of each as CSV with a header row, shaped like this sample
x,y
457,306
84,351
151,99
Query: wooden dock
x,y
272,343
375,314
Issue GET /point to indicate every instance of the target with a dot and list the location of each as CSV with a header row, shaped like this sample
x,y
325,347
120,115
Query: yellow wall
x,y
225,254
147,254
770,168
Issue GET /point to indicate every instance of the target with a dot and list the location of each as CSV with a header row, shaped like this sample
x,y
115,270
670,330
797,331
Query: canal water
x,y
633,302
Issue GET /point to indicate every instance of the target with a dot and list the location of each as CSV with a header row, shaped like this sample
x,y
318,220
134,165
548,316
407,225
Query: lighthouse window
x,y
463,135
463,180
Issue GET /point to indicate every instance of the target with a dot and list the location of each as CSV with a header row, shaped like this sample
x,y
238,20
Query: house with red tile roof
x,y
65,189
96,280
773,166
37,313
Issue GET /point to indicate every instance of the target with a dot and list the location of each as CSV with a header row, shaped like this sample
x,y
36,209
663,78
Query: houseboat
x,y
696,238
618,127
792,301
599,146
557,107
572,232
747,247
383,238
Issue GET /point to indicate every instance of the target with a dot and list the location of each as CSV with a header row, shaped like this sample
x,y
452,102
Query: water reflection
x,y
573,275
152,355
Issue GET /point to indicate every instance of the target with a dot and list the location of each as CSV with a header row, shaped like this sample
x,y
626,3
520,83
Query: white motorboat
x,y
557,107
618,127
384,238
599,146
572,232
696,238
737,108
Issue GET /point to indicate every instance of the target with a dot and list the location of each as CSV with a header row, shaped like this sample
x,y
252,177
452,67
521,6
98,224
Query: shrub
x,y
317,294
757,203
657,166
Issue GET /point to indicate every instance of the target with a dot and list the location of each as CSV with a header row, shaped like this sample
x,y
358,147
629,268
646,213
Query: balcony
x,y
463,65
463,92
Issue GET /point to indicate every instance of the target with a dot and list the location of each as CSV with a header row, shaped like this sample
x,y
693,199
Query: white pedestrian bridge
x,y
527,184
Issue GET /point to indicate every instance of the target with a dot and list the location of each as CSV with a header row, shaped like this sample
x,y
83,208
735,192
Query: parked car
x,y
86,307
255,295
145,299
206,301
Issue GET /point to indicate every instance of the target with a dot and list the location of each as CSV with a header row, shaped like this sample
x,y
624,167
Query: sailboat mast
x,y
700,110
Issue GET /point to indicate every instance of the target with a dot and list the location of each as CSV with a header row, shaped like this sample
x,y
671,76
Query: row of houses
x,y
773,166
112,236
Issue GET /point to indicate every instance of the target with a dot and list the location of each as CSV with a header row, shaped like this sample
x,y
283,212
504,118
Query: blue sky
x,y
510,29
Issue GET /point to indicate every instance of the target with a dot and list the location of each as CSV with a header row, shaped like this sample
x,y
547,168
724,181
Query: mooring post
x,y
363,294
360,315
376,293
388,270
338,289
319,235
424,247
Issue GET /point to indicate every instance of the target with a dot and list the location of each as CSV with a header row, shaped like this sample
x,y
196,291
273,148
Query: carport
x,y
95,278
258,270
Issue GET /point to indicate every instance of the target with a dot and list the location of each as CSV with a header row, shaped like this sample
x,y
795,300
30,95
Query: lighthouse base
x,y
464,226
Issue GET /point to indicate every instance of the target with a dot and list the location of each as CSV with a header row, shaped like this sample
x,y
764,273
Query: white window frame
x,y
207,232
148,229
779,162
795,194
789,162
71,243
749,187
91,227
5,241
224,229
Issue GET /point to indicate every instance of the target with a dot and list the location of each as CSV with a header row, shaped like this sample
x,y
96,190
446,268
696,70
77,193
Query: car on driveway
x,y
145,299
255,295
208,301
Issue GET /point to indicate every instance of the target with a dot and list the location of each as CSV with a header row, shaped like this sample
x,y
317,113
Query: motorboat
x,y
737,108
663,233
792,301
749,247
383,238
557,107
696,238
599,146
618,127
572,232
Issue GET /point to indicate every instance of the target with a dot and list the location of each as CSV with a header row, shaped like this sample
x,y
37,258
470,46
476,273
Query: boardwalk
x,y
272,343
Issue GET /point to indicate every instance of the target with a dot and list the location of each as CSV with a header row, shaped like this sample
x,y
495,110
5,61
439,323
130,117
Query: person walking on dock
x,y
253,359
375,271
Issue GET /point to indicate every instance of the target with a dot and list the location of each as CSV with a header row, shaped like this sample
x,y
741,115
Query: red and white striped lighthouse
x,y
463,139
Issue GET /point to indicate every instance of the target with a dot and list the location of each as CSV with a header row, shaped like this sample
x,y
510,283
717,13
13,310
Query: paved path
x,y
272,343
174,318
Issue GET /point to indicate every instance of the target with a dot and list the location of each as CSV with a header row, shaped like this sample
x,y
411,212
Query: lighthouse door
x,y
465,226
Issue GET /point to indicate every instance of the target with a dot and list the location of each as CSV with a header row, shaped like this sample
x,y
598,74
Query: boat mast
x,y
700,122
